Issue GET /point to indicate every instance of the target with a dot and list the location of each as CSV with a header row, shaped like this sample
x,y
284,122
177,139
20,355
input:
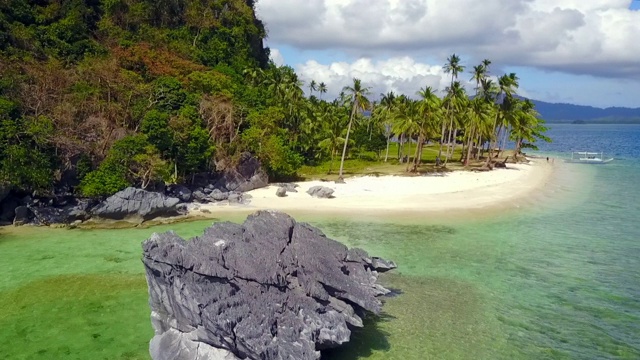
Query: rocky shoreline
x,y
18,207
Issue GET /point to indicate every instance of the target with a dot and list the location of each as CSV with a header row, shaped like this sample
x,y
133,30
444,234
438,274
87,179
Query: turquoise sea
x,y
556,278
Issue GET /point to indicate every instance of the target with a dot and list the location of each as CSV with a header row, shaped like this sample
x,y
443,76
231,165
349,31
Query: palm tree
x,y
408,120
358,96
313,86
429,105
384,111
452,67
507,85
322,89
455,102
332,119
479,113
477,108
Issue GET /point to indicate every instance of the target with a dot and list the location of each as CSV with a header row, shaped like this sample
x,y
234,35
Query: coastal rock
x,y
200,196
321,192
246,176
23,216
219,195
290,187
179,191
269,289
281,192
132,202
238,198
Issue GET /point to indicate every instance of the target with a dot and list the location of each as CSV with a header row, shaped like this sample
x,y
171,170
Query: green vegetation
x,y
107,94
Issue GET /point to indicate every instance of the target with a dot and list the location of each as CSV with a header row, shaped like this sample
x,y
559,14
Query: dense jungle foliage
x,y
97,95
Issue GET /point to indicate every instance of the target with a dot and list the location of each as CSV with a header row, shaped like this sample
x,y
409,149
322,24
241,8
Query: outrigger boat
x,y
583,157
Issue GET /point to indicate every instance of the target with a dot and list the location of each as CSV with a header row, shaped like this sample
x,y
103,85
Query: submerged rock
x,y
268,289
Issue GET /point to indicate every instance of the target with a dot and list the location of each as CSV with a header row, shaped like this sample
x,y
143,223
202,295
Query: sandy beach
x,y
463,190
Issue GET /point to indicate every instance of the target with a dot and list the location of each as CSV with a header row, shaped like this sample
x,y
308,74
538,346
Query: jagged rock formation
x,y
268,289
320,192
132,202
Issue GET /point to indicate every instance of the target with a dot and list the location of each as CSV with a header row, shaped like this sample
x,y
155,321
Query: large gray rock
x,y
290,187
219,195
246,176
320,192
268,289
23,216
136,203
281,192
179,191
201,197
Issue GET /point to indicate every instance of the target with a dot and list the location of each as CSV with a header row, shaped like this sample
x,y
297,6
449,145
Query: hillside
x,y
106,94
552,112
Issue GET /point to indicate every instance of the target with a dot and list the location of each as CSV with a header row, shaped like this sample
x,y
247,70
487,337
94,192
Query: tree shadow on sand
x,y
363,341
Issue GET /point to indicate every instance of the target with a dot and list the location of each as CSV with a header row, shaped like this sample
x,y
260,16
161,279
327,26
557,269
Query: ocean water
x,y
557,278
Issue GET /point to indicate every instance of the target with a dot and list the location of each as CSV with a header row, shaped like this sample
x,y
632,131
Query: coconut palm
x,y
333,120
430,106
452,67
384,113
359,102
507,84
322,89
408,120
454,103
313,86
479,114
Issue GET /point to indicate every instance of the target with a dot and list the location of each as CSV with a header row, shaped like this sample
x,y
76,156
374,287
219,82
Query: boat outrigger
x,y
583,157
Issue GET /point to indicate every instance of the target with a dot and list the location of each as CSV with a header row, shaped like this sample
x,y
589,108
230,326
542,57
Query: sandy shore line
x,y
459,190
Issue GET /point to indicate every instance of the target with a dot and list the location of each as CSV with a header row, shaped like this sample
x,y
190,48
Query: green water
x,y
556,278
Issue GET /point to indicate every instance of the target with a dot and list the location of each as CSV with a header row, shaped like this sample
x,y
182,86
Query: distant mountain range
x,y
569,113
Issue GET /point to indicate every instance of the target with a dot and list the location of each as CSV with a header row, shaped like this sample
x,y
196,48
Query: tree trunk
x,y
417,156
470,145
386,155
493,134
346,140
441,139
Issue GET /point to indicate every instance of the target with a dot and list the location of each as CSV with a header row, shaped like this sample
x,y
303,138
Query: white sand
x,y
463,190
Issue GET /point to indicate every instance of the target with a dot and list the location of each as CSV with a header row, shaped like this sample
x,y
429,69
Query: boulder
x,y
281,192
268,289
23,216
138,203
238,198
200,196
219,195
290,187
179,191
321,192
246,176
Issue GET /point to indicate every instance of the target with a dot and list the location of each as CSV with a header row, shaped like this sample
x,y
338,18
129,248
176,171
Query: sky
x,y
584,52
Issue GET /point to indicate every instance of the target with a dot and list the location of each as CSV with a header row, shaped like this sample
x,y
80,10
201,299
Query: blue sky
x,y
575,51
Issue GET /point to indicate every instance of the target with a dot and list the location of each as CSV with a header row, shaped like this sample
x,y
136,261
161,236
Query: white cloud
x,y
597,37
402,75
276,57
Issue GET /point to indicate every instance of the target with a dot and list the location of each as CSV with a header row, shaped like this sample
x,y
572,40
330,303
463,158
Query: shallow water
x,y
559,280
